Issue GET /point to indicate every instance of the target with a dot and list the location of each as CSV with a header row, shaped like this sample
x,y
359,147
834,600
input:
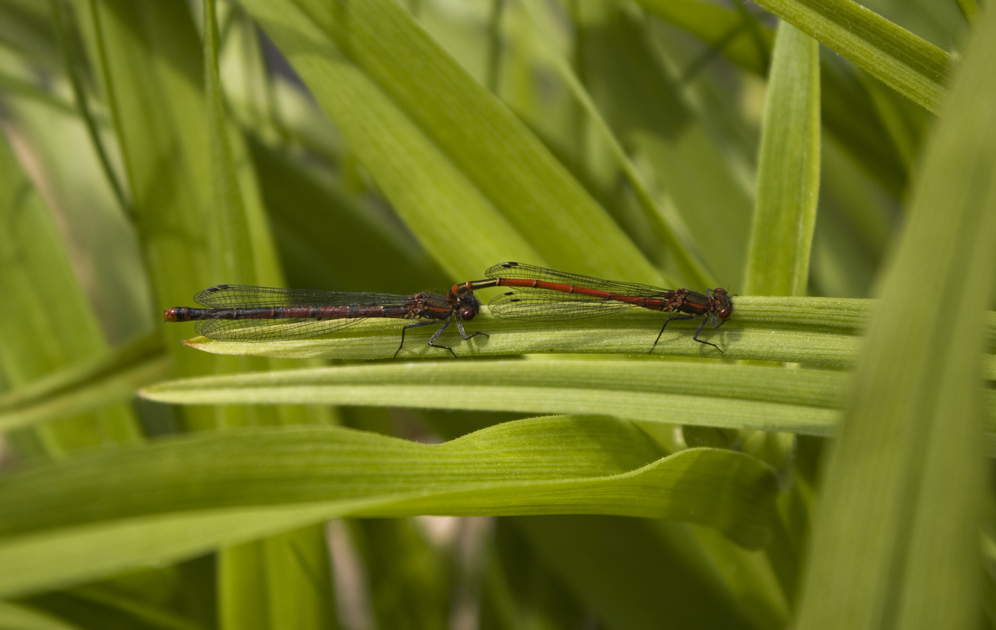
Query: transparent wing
x,y
544,305
245,296
269,329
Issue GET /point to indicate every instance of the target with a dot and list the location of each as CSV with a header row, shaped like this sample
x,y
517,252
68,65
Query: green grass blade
x,y
424,185
148,59
897,544
693,271
280,581
86,387
119,509
322,229
737,396
913,67
473,183
970,9
648,572
807,330
231,246
47,322
789,169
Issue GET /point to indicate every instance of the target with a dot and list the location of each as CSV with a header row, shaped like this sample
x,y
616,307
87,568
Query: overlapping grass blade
x,y
897,542
441,147
183,496
788,170
913,67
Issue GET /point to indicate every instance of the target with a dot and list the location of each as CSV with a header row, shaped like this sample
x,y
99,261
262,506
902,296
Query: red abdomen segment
x,y
655,304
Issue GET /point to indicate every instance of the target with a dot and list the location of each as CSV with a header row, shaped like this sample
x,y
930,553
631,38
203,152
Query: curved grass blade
x,y
113,510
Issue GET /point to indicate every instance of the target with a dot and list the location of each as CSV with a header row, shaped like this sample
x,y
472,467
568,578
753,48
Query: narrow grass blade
x,y
913,67
281,581
897,543
47,322
232,253
468,177
147,57
788,171
87,387
703,393
801,401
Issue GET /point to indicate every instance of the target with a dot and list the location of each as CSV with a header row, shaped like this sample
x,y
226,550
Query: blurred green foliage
x,y
152,149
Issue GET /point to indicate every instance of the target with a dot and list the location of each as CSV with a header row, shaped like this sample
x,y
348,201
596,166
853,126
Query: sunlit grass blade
x,y
788,170
897,542
187,495
736,396
913,67
788,180
693,271
47,323
441,147
803,401
632,334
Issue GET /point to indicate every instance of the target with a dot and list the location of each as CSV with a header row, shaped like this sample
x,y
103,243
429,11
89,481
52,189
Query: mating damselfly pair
x,y
246,313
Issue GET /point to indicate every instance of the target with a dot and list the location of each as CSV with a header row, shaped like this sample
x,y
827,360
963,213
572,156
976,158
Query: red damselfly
x,y
548,295
245,313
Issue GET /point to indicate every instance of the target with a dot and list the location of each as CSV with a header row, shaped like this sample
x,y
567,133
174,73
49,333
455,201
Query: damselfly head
x,y
724,305
469,306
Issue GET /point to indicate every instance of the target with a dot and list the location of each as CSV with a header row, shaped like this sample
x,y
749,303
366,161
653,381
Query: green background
x,y
832,165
